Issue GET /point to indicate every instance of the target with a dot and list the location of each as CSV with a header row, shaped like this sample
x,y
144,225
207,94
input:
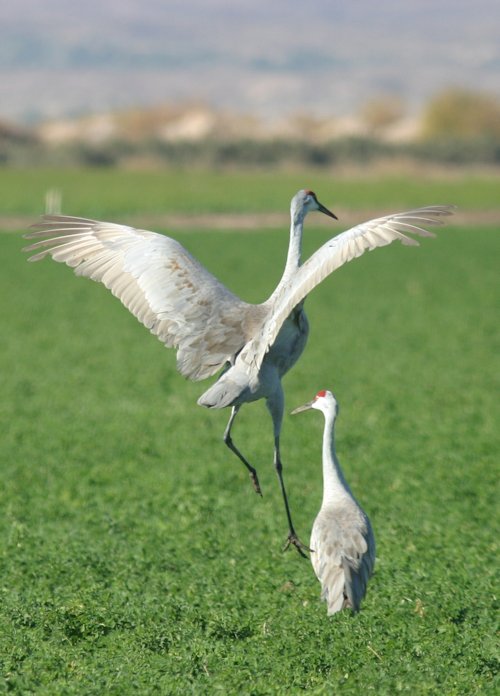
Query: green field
x,y
101,192
135,556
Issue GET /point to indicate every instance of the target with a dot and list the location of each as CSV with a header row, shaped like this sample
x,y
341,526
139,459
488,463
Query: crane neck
x,y
293,259
335,486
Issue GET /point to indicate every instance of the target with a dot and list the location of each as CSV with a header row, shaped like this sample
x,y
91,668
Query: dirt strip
x,y
249,222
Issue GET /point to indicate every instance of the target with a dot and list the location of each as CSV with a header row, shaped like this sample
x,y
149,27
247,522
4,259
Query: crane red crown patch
x,y
320,394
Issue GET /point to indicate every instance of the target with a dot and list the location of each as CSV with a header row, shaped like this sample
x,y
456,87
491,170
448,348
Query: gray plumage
x,y
342,541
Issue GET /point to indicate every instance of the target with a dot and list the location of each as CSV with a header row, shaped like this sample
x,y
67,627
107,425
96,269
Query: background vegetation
x,y
135,557
279,152
456,128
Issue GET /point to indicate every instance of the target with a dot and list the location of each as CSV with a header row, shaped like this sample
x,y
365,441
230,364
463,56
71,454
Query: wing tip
x,y
35,257
409,241
51,223
436,211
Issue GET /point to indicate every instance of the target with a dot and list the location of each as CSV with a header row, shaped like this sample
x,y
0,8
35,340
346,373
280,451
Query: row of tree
x,y
458,127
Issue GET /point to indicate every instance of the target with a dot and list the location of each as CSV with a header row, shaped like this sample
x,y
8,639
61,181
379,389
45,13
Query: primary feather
x,y
161,284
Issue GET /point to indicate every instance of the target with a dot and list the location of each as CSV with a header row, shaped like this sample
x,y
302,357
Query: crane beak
x,y
324,210
305,407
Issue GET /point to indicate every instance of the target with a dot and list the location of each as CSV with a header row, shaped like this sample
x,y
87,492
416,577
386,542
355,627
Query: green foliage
x,y
135,557
454,150
482,147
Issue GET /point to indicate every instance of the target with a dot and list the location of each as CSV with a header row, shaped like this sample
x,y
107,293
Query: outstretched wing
x,y
158,280
333,254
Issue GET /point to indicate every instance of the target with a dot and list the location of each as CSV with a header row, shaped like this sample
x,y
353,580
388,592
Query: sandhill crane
x,y
342,541
186,307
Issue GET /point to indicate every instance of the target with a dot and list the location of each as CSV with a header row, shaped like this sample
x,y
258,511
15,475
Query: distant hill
x,y
61,58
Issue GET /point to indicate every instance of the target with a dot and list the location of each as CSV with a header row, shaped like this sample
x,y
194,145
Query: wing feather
x,y
343,554
158,280
358,567
333,254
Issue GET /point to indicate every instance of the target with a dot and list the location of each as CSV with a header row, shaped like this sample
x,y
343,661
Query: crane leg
x,y
229,442
276,404
292,538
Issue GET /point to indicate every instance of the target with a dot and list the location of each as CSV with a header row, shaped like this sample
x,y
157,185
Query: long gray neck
x,y
334,484
293,258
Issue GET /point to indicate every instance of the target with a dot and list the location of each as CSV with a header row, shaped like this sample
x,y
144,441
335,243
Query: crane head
x,y
323,401
306,200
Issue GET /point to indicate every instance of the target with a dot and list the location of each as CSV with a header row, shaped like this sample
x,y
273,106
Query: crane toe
x,y
293,540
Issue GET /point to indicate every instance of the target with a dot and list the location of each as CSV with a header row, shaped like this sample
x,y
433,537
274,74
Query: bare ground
x,y
248,222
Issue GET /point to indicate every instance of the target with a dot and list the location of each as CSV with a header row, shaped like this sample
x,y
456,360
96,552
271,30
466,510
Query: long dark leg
x,y
276,404
292,534
229,442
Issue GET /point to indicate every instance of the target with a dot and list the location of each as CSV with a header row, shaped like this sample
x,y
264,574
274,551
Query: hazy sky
x,y
269,58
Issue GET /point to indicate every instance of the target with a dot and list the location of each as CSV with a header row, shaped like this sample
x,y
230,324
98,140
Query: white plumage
x,y
342,541
183,304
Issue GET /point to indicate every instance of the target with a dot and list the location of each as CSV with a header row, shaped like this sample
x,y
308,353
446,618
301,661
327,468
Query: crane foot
x,y
293,540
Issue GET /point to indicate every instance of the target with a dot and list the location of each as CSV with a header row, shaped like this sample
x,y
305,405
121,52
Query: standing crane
x,y
186,307
342,541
